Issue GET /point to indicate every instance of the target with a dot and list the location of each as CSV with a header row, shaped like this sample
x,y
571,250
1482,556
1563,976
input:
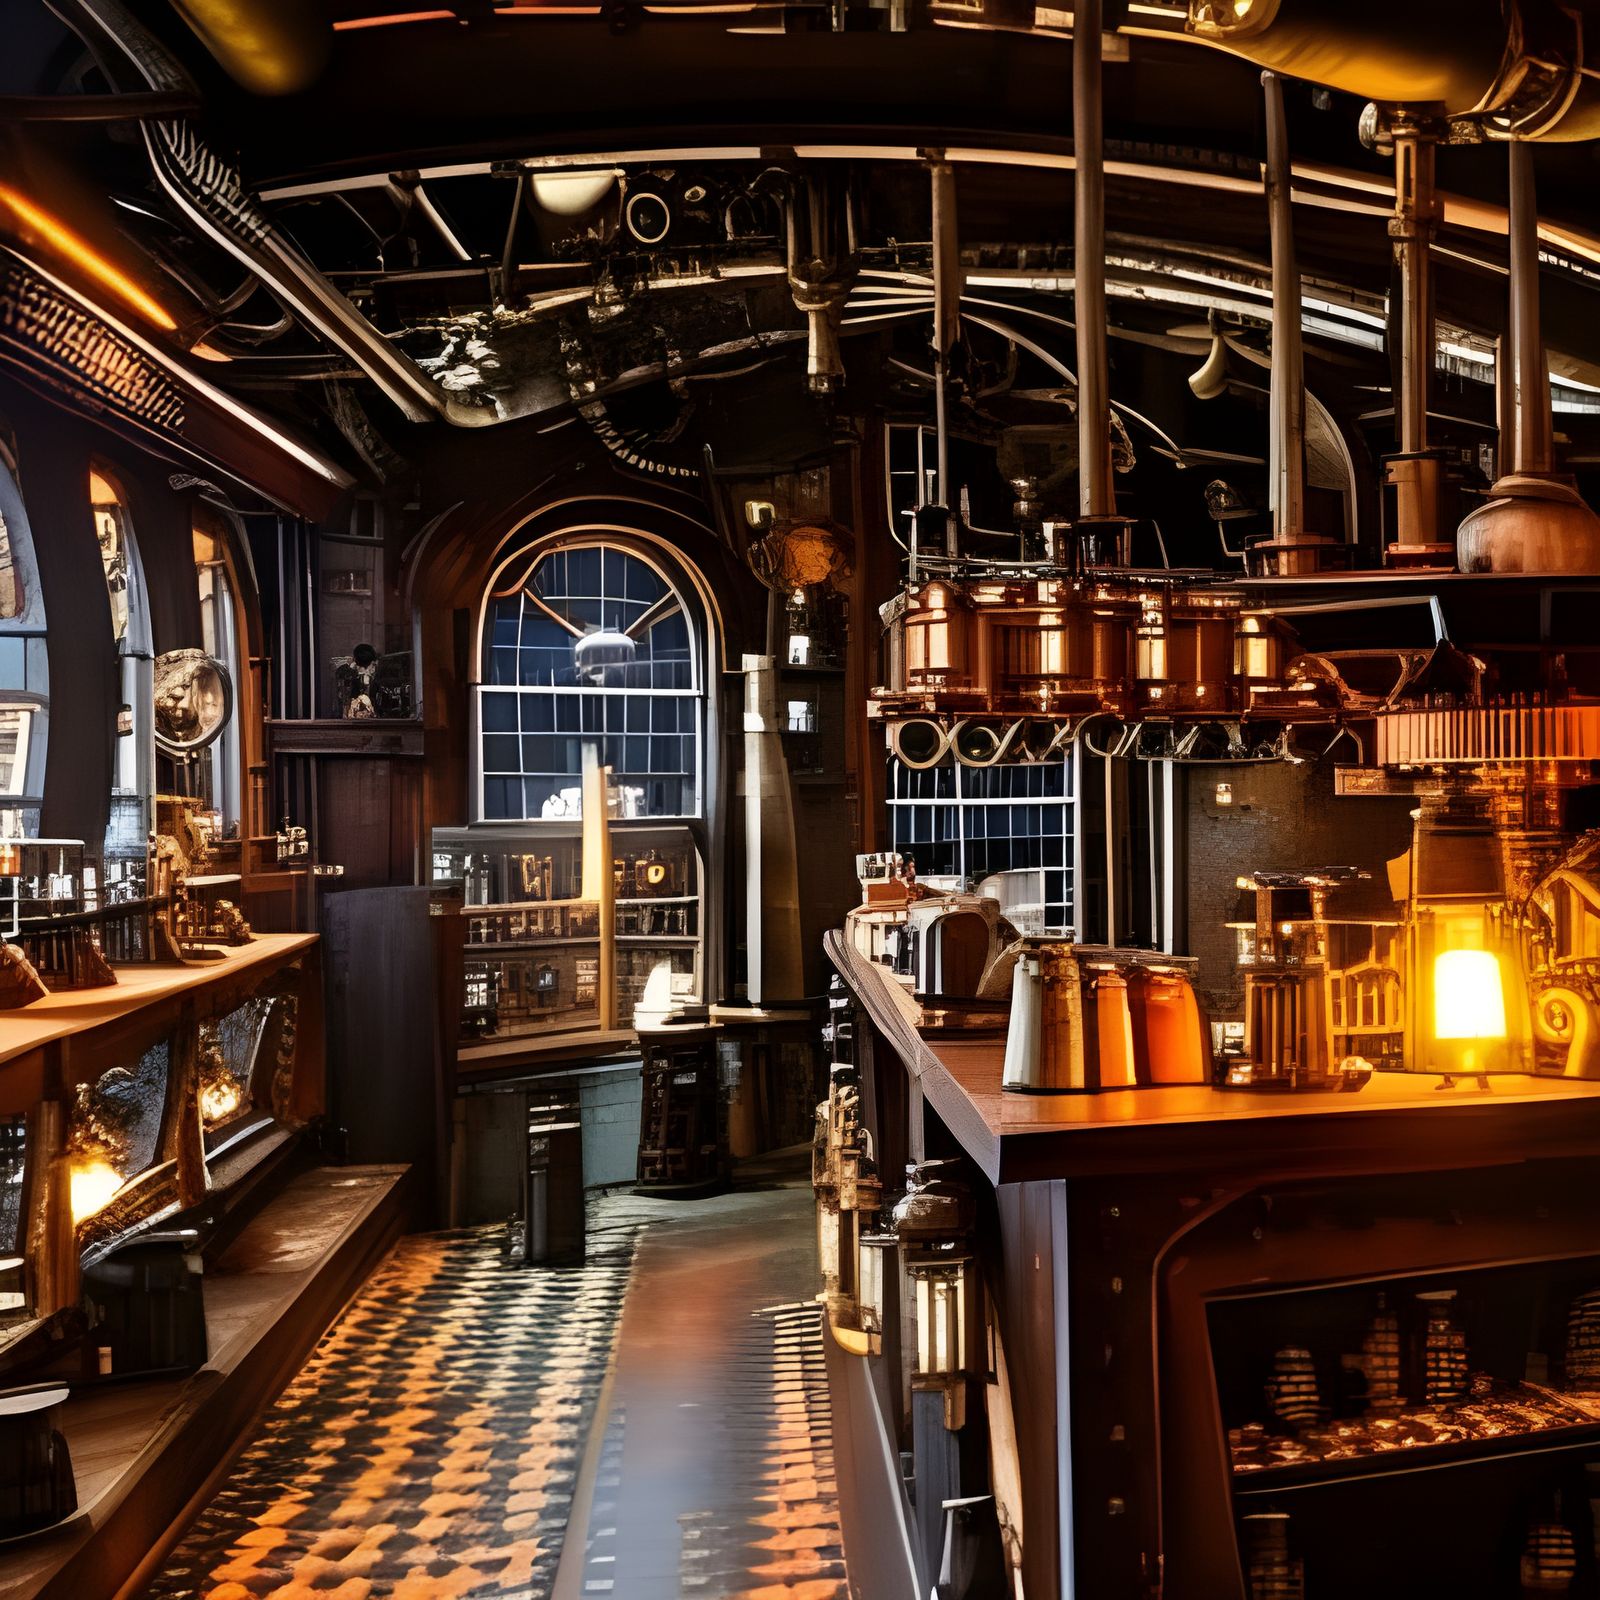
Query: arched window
x,y
217,776
24,667
591,641
133,777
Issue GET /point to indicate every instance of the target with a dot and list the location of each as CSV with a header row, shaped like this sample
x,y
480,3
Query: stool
x,y
37,1489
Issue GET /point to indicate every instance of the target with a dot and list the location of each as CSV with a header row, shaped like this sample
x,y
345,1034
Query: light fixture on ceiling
x,y
1212,378
42,229
570,194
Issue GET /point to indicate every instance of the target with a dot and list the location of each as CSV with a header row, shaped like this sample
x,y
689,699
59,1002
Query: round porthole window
x,y
647,216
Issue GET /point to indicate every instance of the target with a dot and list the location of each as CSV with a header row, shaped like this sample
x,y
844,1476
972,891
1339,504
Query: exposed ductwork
x,y
1518,66
210,193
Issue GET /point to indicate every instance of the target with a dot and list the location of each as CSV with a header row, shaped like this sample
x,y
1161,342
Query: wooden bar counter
x,y
1146,1251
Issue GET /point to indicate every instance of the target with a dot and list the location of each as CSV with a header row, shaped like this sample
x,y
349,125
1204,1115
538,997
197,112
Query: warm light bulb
x,y
1468,996
219,1100
48,230
93,1185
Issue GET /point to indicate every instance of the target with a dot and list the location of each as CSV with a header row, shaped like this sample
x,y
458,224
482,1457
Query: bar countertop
x,y
144,994
1194,1126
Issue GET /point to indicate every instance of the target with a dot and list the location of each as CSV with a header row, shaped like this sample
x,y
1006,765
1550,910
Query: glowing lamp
x,y
873,1250
219,1100
934,1225
1468,996
10,858
570,194
93,1185
940,1290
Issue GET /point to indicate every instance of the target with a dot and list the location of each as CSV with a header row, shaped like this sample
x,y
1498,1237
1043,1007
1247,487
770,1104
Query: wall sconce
x,y
873,1253
860,1196
934,1225
849,1195
1224,794
940,1287
93,1183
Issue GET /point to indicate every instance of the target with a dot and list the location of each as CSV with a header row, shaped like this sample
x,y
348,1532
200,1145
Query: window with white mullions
x,y
24,665
592,644
1007,827
133,780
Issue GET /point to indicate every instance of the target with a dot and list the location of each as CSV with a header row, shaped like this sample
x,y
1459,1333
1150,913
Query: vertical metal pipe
x,y
1113,817
947,285
1095,497
1534,450
1412,230
1416,475
1505,407
1288,391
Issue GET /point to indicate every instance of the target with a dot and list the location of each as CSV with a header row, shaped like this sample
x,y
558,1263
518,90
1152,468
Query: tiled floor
x,y
432,1447
716,1477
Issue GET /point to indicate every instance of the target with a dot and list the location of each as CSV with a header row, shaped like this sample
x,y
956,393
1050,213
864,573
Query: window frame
x,y
689,603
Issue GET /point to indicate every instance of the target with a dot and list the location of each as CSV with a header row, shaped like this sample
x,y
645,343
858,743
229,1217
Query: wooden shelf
x,y
1582,1436
345,736
141,1450
543,942
89,1030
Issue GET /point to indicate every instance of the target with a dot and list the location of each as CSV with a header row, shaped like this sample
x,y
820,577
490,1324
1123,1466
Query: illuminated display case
x,y
533,944
1412,1356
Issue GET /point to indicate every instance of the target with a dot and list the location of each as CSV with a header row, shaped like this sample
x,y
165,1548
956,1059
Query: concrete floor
x,y
472,1428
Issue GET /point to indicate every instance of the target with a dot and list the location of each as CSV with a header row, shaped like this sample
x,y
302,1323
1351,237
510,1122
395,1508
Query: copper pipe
x,y
1287,406
1535,521
1533,449
1095,495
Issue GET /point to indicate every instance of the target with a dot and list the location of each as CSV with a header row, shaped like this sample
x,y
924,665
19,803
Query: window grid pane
x,y
970,822
596,646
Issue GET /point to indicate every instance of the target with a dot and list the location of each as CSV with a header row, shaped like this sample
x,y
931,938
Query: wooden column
x,y
51,1245
183,1135
599,884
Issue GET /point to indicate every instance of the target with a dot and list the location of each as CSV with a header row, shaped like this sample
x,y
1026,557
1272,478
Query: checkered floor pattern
x,y
784,1542
429,1448
432,1448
